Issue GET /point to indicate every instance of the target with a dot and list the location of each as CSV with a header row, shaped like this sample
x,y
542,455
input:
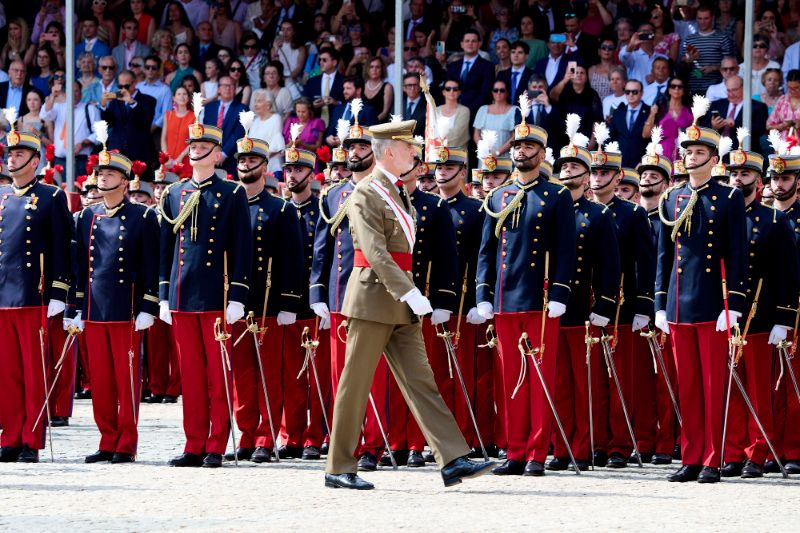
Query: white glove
x,y
555,309
144,321
661,321
321,310
164,313
640,321
474,317
325,323
778,334
55,307
77,321
733,319
234,312
440,316
486,310
285,318
598,320
417,302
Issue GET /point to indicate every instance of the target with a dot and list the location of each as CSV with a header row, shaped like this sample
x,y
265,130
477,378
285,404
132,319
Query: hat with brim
x,y
138,185
742,159
358,134
655,162
606,160
113,161
526,133
679,170
400,130
251,146
23,139
297,157
450,156
572,153
630,176
703,136
783,164
204,133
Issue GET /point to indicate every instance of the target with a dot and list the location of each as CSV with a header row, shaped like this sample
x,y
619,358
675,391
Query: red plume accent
x,y
791,141
49,152
177,168
59,169
230,177
163,157
324,153
91,162
79,181
48,176
138,167
320,177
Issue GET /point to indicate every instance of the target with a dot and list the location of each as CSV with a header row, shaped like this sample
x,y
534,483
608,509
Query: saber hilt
x,y
491,338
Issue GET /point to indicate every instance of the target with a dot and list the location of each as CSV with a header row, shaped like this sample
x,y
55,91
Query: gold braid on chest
x,y
684,219
514,206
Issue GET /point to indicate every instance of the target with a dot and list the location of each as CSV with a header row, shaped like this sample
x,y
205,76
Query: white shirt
x,y
551,71
638,63
791,60
651,91
270,131
611,103
81,129
717,92
756,86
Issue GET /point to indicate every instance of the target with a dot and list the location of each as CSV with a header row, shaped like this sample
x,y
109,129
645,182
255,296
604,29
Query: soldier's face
x,y
602,178
573,175
250,168
784,186
527,155
492,180
651,184
359,157
445,173
199,154
296,178
698,157
141,198
428,184
109,180
626,191
17,159
340,172
745,180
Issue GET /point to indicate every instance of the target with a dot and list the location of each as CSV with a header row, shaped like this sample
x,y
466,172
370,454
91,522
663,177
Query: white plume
x,y
11,115
682,137
356,104
443,126
342,129
101,131
741,134
777,142
725,145
655,148
294,131
197,104
612,147
700,105
573,123
419,139
246,120
524,104
601,134
579,139
488,141
548,156
396,118
794,150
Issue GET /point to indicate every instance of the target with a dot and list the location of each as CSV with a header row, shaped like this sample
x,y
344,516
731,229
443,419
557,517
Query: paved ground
x,y
150,496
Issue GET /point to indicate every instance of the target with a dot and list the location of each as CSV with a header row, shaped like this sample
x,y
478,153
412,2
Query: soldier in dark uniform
x,y
35,271
117,295
206,257
704,233
628,186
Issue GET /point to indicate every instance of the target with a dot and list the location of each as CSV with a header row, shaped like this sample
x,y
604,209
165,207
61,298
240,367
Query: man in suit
x,y
13,91
554,66
476,74
543,113
627,124
130,46
204,47
91,42
414,106
383,317
129,117
325,89
517,76
579,42
729,114
352,88
418,21
548,17
224,114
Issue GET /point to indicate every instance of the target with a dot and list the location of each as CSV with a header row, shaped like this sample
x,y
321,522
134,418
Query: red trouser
x,y
667,421
83,357
21,378
786,412
162,360
303,424
483,399
250,406
390,411
620,441
64,390
743,438
499,395
643,406
338,340
110,345
528,414
700,356
206,421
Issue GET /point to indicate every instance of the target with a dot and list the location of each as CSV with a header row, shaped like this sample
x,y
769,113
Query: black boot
x,y
367,462
616,460
533,468
600,458
120,458
510,468
187,460
708,474
243,454
9,454
59,421
752,470
415,459
685,473
462,468
311,453
98,457
261,455
558,463
28,455
661,459
290,452
731,470
212,460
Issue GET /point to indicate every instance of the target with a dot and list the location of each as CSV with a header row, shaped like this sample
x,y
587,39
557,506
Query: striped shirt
x,y
712,47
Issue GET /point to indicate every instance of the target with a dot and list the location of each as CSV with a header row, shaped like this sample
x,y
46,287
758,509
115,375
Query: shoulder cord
x,y
685,217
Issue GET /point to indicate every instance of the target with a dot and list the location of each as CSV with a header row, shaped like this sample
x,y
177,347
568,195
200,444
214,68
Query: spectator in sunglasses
x,y
455,115
497,116
106,28
106,84
242,91
600,74
252,57
154,87
627,125
760,62
728,68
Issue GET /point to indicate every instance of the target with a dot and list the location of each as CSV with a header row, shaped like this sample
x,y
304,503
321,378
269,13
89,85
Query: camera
x,y
458,10
646,36
534,94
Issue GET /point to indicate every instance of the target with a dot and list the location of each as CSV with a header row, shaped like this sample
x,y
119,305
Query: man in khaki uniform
x,y
382,305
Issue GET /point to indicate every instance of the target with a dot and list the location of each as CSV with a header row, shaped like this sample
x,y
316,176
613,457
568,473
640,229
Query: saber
x,y
130,362
72,333
41,349
783,350
383,431
655,349
525,348
310,346
252,327
608,352
222,336
461,307
731,359
447,336
590,341
491,338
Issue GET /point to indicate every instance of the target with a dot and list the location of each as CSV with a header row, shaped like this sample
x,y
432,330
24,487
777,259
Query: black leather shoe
x,y
462,468
558,463
646,458
510,468
311,453
616,460
170,399
475,453
212,460
600,458
323,450
676,452
731,470
415,459
154,398
9,454
367,462
502,454
262,455
243,454
85,394
347,481
28,455
534,468
98,457
582,465
792,467
708,474
120,458
290,452
187,460
771,467
429,457
752,470
661,459
685,473
59,421
400,457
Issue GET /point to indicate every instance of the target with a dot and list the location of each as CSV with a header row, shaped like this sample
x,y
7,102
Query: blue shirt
x,y
163,96
14,98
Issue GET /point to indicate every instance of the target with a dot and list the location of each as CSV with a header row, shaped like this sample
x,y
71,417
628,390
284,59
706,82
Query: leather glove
x,y
661,321
417,302
143,321
285,318
474,317
778,334
164,313
486,310
325,323
555,309
640,321
439,316
234,312
733,318
598,320
321,310
55,307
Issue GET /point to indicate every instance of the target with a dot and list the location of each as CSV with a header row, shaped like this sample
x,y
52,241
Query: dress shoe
x,y
85,394
290,452
28,455
261,455
429,457
323,450
752,470
616,460
661,459
708,474
212,460
243,454
685,473
583,466
475,453
534,468
646,458
170,399
676,452
367,462
311,453
510,468
600,458
59,421
731,470
154,398
771,467
9,454
558,463
186,459
98,457
120,458
792,467
415,459
400,457
347,481
462,468
502,454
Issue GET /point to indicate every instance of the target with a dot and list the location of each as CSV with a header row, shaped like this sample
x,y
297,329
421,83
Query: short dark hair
x,y
793,75
153,57
128,20
634,80
414,75
331,52
357,81
452,79
521,44
91,18
472,31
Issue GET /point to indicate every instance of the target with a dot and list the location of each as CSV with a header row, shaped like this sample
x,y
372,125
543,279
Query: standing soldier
x,y
35,235
628,186
117,297
700,293
206,251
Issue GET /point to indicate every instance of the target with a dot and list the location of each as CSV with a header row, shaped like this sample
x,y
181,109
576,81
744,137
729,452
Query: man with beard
x,y
593,298
628,187
528,237
276,285
701,279
770,236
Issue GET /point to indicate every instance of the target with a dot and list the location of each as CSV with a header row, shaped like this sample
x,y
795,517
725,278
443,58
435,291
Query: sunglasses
x,y
108,67
131,65
151,67
608,47
676,86
728,69
631,91
235,69
126,87
59,77
448,89
248,47
760,45
410,49
498,90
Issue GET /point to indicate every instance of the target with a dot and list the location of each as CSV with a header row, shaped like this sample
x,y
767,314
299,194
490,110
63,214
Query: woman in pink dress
x,y
676,117
310,137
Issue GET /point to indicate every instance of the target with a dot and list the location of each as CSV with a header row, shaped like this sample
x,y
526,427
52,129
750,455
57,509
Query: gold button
x,y
680,271
708,270
208,264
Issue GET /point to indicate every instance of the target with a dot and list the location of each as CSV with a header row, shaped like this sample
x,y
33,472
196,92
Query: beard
x,y
250,177
648,192
526,165
360,165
